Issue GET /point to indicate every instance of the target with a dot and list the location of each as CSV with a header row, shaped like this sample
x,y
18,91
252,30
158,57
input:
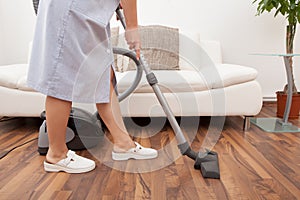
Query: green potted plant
x,y
291,10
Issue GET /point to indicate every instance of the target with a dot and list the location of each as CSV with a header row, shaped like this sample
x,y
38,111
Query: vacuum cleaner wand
x,y
206,161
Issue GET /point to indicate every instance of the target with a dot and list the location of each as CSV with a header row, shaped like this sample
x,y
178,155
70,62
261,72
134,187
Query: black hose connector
x,y
185,149
152,80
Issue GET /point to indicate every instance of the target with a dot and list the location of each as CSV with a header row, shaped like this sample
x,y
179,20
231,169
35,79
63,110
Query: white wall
x,y
232,22
16,30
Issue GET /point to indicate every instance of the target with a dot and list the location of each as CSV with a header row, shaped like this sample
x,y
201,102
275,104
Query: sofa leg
x,y
246,123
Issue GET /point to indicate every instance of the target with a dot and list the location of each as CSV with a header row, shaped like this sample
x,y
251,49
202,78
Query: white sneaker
x,y
73,163
138,152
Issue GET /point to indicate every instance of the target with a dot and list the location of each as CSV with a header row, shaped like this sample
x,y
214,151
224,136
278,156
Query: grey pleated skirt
x,y
71,55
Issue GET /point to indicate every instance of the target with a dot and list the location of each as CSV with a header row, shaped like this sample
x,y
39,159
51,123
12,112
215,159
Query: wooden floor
x,y
253,164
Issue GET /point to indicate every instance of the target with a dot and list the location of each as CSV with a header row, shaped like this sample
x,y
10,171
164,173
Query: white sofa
x,y
236,93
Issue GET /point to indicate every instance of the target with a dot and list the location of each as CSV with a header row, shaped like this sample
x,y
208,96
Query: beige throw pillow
x,y
114,39
160,47
114,36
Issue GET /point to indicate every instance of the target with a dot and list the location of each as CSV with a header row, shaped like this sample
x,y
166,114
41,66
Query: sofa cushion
x,y
14,76
114,37
22,84
188,80
231,74
213,50
160,47
186,37
169,81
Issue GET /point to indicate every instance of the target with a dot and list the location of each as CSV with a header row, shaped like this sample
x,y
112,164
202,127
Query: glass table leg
x,y
278,125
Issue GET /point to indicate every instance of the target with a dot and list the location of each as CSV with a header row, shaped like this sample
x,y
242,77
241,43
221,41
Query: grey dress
x,y
72,56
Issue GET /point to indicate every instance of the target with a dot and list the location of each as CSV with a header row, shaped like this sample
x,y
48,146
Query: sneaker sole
x,y
57,168
127,156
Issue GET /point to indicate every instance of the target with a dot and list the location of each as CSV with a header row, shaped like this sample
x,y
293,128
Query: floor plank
x,y
254,165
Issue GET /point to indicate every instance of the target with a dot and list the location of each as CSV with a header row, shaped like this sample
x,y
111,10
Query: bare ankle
x,y
123,145
56,156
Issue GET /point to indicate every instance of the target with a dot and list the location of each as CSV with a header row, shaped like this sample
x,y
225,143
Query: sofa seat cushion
x,y
14,76
168,80
223,75
231,74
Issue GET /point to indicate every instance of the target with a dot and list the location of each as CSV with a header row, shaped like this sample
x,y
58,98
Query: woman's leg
x,y
111,115
58,157
57,114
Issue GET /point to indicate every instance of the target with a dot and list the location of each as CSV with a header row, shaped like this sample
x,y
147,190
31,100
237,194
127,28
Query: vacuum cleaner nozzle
x,y
208,163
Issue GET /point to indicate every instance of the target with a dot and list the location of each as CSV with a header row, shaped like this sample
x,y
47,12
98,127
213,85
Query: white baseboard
x,y
269,99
